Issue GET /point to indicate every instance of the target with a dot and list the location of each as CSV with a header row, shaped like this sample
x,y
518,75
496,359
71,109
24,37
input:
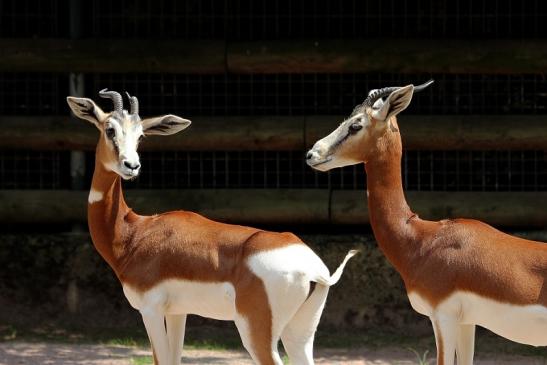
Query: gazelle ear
x,y
85,108
164,125
395,103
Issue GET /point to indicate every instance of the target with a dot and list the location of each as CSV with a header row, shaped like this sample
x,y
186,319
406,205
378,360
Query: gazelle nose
x,y
131,165
309,155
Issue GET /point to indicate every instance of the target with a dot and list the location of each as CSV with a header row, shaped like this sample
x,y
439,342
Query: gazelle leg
x,y
176,325
299,333
465,346
155,327
258,341
446,335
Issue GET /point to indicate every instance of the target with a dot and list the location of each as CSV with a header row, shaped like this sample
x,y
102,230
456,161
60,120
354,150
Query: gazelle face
x,y
357,137
341,147
121,135
121,131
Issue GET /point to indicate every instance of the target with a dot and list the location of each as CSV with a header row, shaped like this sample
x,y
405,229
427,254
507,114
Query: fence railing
x,y
306,56
282,206
278,133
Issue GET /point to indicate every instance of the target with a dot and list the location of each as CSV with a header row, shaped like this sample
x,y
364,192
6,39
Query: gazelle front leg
x,y
465,346
176,325
446,335
155,327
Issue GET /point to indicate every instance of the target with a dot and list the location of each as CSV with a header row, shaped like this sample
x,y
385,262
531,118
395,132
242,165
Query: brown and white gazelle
x,y
180,263
459,272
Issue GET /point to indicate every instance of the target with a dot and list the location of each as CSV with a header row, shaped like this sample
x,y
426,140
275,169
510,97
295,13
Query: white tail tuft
x,y
333,279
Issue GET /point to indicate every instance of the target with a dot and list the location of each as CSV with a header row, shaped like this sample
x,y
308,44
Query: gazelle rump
x,y
459,272
180,263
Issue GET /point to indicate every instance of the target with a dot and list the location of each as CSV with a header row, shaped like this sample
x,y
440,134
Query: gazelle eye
x,y
110,132
355,127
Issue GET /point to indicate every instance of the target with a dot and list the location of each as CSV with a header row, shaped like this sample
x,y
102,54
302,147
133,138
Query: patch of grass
x,y
421,358
225,337
141,360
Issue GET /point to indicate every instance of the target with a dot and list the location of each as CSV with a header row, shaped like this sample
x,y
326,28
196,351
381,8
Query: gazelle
x,y
459,272
180,263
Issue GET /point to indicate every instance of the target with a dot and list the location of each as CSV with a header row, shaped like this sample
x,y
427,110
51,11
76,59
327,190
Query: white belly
x,y
211,300
520,323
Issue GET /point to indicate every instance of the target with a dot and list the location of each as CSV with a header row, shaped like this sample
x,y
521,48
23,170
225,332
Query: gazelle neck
x,y
390,215
109,218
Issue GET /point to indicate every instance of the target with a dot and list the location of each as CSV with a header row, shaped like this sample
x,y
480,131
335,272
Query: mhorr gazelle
x,y
180,263
459,272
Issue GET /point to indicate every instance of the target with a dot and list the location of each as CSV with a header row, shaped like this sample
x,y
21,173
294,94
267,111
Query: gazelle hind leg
x,y
176,325
446,336
155,327
465,345
299,333
259,342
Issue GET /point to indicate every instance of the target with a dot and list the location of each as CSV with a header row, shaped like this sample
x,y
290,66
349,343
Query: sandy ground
x,y
21,353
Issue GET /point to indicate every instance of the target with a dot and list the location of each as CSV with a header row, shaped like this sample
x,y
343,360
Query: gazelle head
x,y
356,138
121,131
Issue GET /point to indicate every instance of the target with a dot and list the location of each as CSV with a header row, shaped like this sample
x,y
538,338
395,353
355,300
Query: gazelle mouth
x,y
314,164
129,174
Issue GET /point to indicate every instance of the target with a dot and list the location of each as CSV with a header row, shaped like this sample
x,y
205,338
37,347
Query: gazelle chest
x,y
174,296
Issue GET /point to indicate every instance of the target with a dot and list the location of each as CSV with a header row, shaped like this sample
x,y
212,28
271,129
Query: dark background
x,y
50,276
279,94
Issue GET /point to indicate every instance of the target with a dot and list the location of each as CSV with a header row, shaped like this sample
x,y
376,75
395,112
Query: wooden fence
x,y
280,206
336,56
278,133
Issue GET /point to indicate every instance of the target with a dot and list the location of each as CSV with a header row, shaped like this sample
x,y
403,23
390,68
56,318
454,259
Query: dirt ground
x,y
23,353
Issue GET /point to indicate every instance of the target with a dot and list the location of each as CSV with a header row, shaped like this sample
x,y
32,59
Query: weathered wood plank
x,y
205,134
284,206
278,133
455,132
508,209
389,55
258,206
306,56
94,55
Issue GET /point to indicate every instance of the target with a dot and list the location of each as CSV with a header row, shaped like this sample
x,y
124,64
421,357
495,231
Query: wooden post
x,y
77,158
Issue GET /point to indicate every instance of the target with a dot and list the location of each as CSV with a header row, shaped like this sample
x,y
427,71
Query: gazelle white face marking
x,y
121,130
324,154
122,137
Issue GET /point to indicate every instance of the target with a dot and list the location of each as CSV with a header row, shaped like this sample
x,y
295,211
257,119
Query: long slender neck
x,y
109,217
390,215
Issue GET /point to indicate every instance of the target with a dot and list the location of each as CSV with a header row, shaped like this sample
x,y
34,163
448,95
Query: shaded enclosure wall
x,y
53,272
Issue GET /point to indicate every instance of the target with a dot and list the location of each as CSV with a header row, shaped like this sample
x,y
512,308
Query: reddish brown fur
x,y
436,259
146,250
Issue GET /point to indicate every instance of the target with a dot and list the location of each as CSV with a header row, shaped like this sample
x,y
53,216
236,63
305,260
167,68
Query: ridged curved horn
x,y
115,97
134,102
380,93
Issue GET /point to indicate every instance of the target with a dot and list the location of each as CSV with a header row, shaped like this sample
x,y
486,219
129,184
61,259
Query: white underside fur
x,y
94,196
286,273
176,296
525,324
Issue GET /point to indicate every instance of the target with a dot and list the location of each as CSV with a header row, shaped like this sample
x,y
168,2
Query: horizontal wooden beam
x,y
278,133
305,56
290,206
390,55
113,55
